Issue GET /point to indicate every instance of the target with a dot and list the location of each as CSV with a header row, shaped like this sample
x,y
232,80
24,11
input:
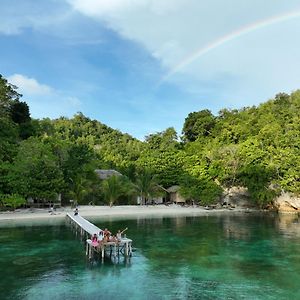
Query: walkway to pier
x,y
84,224
87,229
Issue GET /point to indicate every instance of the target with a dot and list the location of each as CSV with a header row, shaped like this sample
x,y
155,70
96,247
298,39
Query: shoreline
x,y
115,212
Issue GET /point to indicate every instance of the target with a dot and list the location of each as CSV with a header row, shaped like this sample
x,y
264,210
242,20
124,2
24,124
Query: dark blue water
x,y
213,257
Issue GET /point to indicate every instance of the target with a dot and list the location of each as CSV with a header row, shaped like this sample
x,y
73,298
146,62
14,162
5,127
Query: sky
x,y
142,66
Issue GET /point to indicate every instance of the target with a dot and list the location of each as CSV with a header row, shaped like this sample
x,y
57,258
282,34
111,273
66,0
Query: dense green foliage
x,y
254,147
12,201
198,124
115,187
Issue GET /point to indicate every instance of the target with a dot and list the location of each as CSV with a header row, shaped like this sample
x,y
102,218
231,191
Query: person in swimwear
x,y
112,238
95,241
119,234
106,233
94,238
100,235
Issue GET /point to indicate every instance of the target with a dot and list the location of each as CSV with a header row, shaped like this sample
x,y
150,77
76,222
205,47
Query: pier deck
x,y
86,229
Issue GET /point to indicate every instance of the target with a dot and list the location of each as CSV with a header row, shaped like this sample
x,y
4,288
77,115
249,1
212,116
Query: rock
x,y
236,197
287,203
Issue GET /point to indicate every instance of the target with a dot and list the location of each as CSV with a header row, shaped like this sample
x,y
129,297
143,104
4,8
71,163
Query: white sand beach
x,y
115,211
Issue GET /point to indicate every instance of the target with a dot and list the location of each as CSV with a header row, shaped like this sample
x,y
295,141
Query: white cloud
x,y
110,8
101,7
29,86
251,67
153,23
18,15
185,25
73,101
44,100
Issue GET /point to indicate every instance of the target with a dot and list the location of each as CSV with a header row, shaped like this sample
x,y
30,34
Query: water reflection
x,y
210,257
109,260
234,228
11,223
289,225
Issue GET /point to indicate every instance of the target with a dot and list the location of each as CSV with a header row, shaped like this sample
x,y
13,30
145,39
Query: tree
x,y
114,187
81,188
19,112
165,140
8,139
198,124
5,168
257,179
167,165
8,129
35,172
77,161
146,185
228,162
202,190
12,201
8,95
196,183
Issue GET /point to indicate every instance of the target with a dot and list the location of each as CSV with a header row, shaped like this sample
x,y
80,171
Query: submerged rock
x,y
287,203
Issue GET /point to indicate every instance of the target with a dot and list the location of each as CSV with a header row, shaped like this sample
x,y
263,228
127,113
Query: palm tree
x,y
81,187
114,187
146,185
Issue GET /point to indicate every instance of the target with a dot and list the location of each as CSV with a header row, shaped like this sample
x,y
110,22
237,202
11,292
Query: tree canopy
x,y
254,147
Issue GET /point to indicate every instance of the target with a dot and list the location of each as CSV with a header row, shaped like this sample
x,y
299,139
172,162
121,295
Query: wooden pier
x,y
86,229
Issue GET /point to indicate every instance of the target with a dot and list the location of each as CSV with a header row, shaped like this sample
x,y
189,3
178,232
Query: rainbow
x,y
228,38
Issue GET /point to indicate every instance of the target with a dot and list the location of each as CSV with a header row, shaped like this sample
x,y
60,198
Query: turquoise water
x,y
211,257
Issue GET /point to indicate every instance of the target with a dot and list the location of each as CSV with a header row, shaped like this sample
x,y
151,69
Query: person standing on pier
x,y
76,211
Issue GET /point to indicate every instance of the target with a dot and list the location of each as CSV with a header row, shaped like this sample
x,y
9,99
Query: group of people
x,y
105,236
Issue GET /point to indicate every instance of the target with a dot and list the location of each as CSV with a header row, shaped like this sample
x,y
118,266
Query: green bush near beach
x,y
11,201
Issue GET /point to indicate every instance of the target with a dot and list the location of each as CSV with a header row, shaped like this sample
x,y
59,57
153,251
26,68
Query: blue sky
x,y
130,65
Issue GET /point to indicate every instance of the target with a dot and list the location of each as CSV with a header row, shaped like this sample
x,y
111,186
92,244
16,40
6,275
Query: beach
x,y
115,211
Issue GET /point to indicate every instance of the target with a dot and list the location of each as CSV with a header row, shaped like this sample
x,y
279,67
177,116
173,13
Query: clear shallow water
x,y
214,257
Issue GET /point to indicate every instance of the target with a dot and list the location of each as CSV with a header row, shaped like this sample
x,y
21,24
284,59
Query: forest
x,y
253,147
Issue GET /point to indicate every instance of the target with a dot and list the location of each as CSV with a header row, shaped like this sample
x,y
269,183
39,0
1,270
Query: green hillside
x,y
255,147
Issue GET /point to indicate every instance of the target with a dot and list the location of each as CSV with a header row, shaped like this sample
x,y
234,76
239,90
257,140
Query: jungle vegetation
x,y
254,147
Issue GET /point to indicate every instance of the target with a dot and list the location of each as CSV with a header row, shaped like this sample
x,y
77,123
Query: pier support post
x,y
87,248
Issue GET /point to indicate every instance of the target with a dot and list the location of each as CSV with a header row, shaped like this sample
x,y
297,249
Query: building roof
x,y
104,174
162,188
173,189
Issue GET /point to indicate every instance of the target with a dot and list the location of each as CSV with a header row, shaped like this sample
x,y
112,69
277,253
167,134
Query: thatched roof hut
x,y
104,174
175,195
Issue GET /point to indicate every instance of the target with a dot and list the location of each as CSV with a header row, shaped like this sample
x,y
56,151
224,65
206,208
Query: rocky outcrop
x,y
236,196
287,203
